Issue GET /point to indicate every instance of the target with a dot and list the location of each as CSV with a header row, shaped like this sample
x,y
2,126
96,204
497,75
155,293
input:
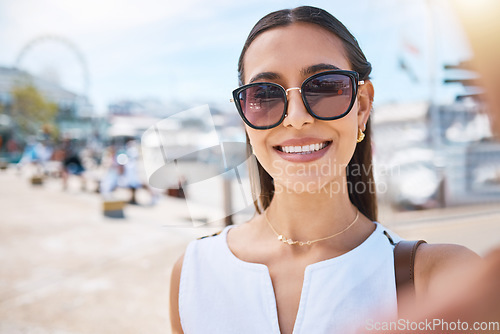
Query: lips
x,y
303,149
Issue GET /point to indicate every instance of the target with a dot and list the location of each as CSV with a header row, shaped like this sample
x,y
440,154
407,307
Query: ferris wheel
x,y
57,60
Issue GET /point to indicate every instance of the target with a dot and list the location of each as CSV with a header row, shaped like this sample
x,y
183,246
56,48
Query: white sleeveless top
x,y
219,293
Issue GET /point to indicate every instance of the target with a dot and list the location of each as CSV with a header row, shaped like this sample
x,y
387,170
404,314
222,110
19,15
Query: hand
x,y
470,295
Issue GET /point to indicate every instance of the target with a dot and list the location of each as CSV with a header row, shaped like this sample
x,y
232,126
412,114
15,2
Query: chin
x,y
310,184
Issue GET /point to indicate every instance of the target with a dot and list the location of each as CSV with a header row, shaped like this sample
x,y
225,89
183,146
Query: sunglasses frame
x,y
353,76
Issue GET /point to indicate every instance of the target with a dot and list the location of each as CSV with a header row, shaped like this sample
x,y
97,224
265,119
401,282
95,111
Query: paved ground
x,y
67,269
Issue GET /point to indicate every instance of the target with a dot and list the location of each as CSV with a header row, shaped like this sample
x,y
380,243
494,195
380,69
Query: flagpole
x,y
433,108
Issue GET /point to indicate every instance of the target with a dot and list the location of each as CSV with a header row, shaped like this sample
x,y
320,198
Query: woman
x,y
314,260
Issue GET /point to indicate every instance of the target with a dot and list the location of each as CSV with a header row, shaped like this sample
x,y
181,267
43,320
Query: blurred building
x,y
71,105
436,155
131,117
75,117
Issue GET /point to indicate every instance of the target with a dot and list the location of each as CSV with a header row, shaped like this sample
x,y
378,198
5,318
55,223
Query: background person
x,y
72,163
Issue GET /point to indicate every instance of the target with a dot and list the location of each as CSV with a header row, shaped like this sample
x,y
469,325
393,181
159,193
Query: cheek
x,y
256,139
347,129
262,151
258,142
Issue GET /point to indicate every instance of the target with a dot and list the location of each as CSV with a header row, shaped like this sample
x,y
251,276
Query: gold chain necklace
x,y
309,242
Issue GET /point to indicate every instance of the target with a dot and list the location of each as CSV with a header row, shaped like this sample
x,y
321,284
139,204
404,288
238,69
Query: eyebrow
x,y
318,68
305,72
265,76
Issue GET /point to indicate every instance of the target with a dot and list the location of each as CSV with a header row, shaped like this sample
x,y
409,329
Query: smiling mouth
x,y
305,149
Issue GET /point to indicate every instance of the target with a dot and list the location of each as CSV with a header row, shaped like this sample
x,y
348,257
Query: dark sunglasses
x,y
327,96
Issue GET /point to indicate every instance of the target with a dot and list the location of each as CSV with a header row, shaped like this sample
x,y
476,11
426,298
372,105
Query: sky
x,y
188,50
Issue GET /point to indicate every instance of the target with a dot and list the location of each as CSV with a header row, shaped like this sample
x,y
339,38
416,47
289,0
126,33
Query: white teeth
x,y
303,149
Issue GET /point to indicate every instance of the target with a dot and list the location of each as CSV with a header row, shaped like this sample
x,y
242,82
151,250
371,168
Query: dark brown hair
x,y
361,161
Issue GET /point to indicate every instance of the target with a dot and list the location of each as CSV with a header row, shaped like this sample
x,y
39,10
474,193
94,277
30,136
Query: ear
x,y
365,102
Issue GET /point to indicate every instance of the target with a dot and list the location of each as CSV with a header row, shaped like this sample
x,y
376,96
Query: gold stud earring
x,y
361,136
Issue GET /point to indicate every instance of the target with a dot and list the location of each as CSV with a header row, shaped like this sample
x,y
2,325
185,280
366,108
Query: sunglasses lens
x,y
329,95
262,105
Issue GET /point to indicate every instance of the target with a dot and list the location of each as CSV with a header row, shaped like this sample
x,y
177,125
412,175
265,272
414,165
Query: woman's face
x,y
287,56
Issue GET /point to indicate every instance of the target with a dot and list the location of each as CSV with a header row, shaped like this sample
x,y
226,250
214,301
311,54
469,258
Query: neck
x,y
309,216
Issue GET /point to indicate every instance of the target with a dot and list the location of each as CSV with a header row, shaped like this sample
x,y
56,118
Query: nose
x,y
296,114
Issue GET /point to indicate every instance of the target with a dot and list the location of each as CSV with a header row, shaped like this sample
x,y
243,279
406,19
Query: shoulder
x,y
177,268
202,245
175,320
176,275
176,271
175,279
436,263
